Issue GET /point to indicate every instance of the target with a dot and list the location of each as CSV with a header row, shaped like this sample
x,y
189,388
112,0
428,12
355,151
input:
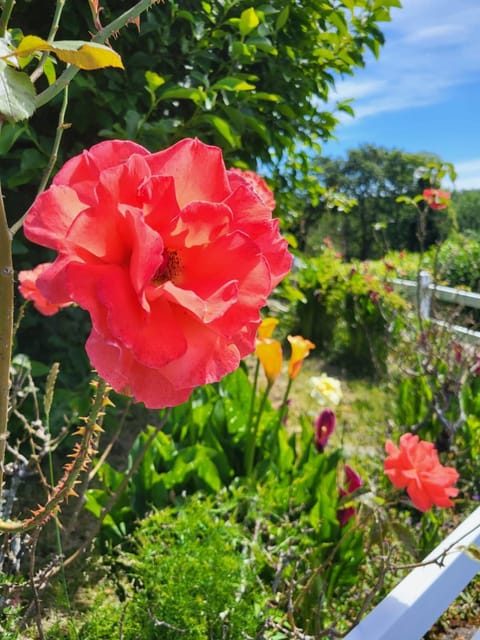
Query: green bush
x,y
348,310
192,575
457,262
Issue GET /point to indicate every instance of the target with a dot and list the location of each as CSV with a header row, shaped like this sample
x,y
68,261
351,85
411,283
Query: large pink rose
x,y
171,254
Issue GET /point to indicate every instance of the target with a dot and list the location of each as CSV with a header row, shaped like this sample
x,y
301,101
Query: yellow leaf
x,y
85,55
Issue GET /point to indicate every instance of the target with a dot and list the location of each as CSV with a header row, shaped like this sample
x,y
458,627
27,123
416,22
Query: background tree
x,y
467,207
251,77
373,177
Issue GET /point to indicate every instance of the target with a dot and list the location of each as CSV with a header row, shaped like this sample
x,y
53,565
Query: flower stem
x,y
52,160
81,457
6,329
252,436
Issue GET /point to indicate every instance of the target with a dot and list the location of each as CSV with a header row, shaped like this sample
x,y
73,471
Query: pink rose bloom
x,y
259,185
435,198
28,289
172,255
415,466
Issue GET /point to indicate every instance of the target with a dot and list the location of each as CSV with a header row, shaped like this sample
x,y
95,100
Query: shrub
x,y
348,310
191,575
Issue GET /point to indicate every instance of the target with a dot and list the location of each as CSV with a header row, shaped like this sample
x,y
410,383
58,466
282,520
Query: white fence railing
x,y
417,602
427,289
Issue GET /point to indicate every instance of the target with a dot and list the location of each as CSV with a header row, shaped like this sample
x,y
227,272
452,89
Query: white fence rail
x,y
417,602
427,289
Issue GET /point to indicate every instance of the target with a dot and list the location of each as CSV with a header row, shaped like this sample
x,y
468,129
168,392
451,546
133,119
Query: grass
x,y
364,416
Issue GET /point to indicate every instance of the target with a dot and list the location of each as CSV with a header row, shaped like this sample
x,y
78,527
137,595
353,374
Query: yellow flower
x,y
300,350
269,352
266,328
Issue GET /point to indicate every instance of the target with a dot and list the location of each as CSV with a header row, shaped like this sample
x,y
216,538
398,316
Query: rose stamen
x,y
169,268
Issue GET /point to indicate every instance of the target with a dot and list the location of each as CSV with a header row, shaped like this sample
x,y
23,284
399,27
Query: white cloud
x,y
432,46
421,94
468,174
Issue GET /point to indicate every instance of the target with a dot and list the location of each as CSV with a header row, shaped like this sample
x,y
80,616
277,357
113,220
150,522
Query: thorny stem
x,y
113,498
52,160
81,457
6,329
93,472
100,37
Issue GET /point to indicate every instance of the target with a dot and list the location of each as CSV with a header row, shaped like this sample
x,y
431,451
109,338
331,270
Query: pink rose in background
x,y
415,466
171,254
28,289
259,185
435,198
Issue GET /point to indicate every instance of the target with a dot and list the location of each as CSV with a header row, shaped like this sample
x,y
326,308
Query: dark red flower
x,y
324,427
415,466
171,254
354,482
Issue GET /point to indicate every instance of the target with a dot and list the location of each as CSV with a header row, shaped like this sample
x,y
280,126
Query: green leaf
x,y
85,55
154,80
196,95
472,551
282,18
232,84
248,21
9,134
49,71
223,129
263,95
406,537
17,94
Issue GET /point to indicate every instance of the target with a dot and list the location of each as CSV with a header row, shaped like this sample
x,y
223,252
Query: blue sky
x,y
423,94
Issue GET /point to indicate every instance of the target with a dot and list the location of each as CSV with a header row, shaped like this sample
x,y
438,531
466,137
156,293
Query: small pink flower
x,y
435,198
28,289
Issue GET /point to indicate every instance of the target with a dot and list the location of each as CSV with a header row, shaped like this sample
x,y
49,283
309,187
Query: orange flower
x,y
269,352
435,198
300,350
416,467
266,328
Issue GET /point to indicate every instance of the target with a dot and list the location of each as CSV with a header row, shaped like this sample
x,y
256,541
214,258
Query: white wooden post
x,y
415,604
425,295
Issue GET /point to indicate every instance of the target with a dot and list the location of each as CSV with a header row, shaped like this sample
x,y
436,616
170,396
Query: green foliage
x,y
249,78
226,567
467,209
192,573
467,437
10,613
457,262
374,177
348,310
